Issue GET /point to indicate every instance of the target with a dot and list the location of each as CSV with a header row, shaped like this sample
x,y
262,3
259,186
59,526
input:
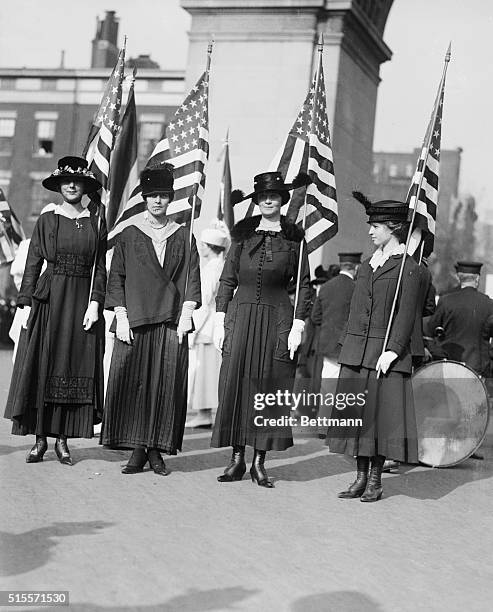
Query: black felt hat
x,y
468,267
72,168
157,179
350,257
383,210
271,181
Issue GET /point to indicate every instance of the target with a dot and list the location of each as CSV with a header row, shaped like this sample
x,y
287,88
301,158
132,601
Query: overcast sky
x,y
418,32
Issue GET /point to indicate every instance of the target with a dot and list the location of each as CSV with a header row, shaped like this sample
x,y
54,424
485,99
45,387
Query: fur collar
x,y
245,229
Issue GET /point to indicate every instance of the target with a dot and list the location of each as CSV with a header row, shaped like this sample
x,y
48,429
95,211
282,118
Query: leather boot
x,y
35,455
62,451
374,490
156,462
237,468
257,471
136,462
357,488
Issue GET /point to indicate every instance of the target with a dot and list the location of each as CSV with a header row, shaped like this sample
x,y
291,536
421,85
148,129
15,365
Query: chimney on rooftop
x,y
104,45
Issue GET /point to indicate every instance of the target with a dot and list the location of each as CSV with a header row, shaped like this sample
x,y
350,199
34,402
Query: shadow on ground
x,y
27,551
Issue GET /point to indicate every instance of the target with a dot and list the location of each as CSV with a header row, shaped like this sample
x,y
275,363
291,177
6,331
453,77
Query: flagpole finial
x,y
449,52
210,45
321,43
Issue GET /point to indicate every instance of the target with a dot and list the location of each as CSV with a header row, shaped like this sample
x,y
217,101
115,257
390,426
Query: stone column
x,y
262,64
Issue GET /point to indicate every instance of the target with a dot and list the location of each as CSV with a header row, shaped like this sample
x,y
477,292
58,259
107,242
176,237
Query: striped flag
x,y
423,193
225,208
105,126
307,149
186,146
123,170
11,232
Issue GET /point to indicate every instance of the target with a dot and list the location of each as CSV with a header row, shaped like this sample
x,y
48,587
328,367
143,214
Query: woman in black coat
x,y
153,287
380,375
255,327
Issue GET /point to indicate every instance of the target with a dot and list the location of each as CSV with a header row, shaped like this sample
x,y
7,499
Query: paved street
x,y
186,543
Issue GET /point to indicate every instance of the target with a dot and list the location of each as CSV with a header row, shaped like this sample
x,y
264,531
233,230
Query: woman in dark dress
x,y
153,287
255,327
388,421
57,382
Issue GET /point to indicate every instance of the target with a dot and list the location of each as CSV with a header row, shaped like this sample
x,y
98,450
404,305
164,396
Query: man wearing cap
x,y
466,317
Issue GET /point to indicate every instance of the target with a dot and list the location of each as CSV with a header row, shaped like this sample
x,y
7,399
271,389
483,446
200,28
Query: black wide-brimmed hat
x,y
354,258
157,179
271,181
72,168
383,210
468,267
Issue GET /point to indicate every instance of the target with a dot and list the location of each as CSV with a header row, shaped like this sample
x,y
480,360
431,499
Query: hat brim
x,y
284,193
52,183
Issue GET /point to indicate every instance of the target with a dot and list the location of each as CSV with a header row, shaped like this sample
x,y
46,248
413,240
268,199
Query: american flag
x,y
423,193
11,232
186,146
105,126
307,148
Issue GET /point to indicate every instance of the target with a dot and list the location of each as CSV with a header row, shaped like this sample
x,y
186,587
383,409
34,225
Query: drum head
x,y
452,410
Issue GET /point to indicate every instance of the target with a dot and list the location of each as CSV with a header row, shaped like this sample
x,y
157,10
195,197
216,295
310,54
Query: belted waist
x,y
268,295
67,264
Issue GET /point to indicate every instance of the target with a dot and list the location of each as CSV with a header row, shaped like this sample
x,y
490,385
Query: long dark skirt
x,y
146,400
388,418
255,360
53,344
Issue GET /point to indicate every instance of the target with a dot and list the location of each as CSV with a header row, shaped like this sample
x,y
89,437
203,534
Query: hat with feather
x,y
271,181
383,210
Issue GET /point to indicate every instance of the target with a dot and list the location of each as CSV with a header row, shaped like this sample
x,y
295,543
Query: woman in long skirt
x,y
153,287
378,376
57,382
255,327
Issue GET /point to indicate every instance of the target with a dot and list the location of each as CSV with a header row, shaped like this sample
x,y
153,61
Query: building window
x,y
7,131
40,197
8,83
375,169
45,137
409,170
393,170
49,84
150,134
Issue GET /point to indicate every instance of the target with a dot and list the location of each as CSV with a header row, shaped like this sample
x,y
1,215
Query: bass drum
x,y
452,411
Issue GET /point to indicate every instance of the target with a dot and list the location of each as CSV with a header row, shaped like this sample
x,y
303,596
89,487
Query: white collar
x,y
157,235
59,210
379,257
269,226
346,273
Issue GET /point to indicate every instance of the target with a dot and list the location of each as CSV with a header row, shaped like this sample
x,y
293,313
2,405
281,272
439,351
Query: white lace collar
x,y
268,226
379,257
60,210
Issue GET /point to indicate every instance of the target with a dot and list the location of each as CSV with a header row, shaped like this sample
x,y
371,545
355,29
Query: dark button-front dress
x,y
256,359
57,381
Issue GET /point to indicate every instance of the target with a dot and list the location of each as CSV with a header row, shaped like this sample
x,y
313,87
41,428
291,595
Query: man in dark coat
x,y
466,318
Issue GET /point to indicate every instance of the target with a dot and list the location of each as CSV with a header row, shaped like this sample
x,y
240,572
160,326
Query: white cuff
x,y
120,313
298,325
219,319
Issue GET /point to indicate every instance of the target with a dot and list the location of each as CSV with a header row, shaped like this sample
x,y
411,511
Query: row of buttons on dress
x,y
259,272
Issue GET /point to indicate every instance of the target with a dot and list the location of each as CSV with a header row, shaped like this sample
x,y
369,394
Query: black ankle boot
x,y
136,462
237,468
357,488
35,455
374,490
257,471
156,462
62,451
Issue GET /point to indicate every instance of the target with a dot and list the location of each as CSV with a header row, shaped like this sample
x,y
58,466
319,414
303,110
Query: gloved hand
x,y
91,316
218,333
385,361
294,338
123,331
26,311
185,321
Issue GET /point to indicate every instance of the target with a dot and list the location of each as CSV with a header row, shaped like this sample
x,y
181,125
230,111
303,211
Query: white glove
x,y
26,311
185,321
294,338
91,316
218,333
123,331
385,361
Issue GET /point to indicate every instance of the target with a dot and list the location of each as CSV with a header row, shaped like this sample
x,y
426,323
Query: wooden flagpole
x,y
410,230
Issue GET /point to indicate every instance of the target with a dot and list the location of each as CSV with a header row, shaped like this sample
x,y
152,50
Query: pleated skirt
x,y
255,360
146,400
387,413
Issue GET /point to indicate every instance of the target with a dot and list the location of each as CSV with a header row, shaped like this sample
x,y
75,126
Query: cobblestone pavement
x,y
187,543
